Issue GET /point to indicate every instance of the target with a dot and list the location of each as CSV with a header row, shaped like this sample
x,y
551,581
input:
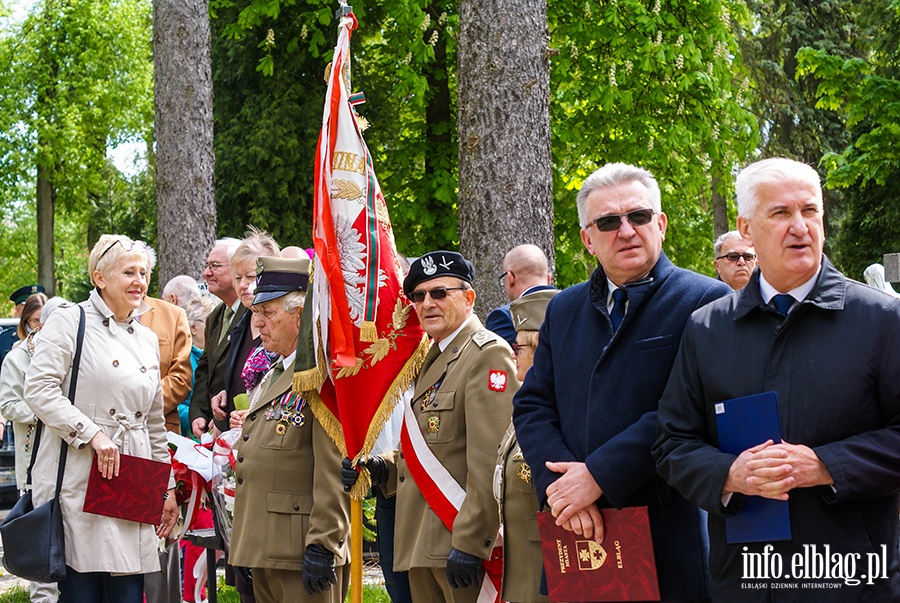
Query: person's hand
x,y
169,516
463,569
198,427
378,472
236,419
587,523
574,491
218,403
318,569
762,470
107,455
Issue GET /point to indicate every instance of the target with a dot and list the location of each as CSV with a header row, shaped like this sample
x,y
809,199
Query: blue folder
x,y
743,423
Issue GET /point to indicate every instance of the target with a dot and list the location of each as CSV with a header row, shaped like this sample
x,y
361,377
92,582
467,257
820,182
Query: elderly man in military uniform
x,y
461,406
291,519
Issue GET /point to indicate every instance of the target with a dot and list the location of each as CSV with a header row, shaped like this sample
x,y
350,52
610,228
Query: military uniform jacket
x,y
522,560
462,409
288,491
209,378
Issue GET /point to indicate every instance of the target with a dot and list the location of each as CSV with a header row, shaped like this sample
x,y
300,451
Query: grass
x,y
372,593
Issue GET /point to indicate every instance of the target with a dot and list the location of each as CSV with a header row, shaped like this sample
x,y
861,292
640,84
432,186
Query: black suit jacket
x,y
209,378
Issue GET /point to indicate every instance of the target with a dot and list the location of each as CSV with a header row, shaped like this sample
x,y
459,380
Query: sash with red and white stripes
x,y
443,494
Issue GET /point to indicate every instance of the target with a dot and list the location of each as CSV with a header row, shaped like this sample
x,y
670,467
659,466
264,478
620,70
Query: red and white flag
x,y
367,337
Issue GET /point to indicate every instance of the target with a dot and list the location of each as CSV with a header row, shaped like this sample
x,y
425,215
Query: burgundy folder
x,y
621,569
136,494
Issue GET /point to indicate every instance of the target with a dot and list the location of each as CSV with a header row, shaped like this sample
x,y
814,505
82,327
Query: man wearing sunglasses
x,y
827,346
444,469
735,259
586,413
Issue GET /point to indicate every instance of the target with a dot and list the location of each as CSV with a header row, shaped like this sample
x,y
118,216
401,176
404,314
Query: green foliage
x,y
75,80
17,594
657,84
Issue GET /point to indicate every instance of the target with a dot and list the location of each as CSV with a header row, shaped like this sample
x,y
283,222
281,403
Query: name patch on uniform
x,y
497,381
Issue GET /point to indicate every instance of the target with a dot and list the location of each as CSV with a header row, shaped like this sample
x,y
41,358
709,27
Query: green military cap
x,y
21,294
276,277
528,311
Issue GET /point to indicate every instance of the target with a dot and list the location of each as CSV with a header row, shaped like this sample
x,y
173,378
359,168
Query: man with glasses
x,y
586,414
211,368
525,270
827,346
448,446
735,259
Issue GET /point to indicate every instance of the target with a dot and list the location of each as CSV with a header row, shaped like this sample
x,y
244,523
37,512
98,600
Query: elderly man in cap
x,y
8,336
291,520
461,405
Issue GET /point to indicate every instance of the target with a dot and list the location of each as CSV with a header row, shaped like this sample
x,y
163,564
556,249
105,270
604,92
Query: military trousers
x,y
430,585
283,586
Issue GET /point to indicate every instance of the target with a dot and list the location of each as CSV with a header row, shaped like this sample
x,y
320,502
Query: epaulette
x,y
484,337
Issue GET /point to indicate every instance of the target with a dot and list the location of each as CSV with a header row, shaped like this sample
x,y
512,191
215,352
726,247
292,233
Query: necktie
x,y
620,298
783,302
226,323
433,353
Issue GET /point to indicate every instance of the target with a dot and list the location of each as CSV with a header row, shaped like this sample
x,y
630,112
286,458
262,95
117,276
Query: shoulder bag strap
x,y
64,447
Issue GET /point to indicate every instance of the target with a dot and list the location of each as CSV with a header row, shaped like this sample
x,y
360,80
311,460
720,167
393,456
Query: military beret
x,y
21,294
436,264
528,311
279,276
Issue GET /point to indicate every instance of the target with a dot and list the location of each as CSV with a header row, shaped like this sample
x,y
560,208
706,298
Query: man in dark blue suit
x,y
586,413
828,347
525,270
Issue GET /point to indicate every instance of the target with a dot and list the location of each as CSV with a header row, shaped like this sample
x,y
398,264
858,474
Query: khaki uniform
x,y
288,495
461,412
209,378
522,560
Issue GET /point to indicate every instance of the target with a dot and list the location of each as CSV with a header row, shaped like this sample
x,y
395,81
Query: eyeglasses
x,y
128,247
612,222
517,347
212,266
437,293
735,256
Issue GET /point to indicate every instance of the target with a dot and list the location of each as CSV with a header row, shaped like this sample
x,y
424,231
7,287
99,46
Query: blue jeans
x,y
101,587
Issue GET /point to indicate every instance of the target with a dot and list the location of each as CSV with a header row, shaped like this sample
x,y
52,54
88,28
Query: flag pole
x,y
356,550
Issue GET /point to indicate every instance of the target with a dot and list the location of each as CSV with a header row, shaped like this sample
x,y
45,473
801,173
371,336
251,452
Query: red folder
x,y
136,494
621,569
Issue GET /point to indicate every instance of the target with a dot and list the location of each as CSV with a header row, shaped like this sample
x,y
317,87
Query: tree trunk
x,y
505,178
185,202
720,209
45,194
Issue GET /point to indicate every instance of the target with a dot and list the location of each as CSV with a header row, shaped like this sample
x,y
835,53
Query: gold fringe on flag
x,y
368,331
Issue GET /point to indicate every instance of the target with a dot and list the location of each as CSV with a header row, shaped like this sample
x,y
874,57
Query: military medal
x,y
517,455
434,424
524,473
286,410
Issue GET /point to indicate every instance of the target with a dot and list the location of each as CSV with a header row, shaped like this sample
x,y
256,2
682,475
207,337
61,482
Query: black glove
x,y
463,569
376,465
318,569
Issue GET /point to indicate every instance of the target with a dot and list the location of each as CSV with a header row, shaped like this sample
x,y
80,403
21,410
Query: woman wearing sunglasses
x,y
513,489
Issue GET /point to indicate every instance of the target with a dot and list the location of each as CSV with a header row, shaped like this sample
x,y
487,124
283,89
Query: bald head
x,y
525,267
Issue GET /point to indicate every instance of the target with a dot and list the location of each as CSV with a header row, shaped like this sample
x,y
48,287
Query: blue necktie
x,y
783,302
620,298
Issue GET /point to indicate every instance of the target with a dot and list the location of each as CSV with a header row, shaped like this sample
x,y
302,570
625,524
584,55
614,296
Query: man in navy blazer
x,y
525,270
827,346
586,413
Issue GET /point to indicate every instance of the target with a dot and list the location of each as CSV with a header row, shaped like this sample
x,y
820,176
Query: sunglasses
x,y
517,347
126,247
612,222
735,256
437,293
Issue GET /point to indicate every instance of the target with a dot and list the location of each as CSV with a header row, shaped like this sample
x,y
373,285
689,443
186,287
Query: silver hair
x,y
771,171
52,304
229,243
149,252
183,287
198,308
720,241
293,300
617,174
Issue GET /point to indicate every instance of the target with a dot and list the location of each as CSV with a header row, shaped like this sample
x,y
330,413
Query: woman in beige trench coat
x,y
118,409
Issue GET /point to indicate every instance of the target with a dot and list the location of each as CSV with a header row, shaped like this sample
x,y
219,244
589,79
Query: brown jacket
x,y
170,324
288,491
462,425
